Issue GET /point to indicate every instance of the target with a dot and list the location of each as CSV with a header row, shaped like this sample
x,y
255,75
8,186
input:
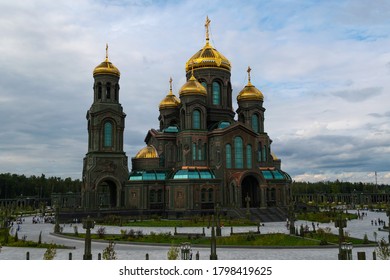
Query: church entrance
x,y
250,189
107,194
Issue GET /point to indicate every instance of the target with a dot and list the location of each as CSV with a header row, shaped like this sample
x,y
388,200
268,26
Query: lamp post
x,y
213,254
291,218
340,223
388,223
87,225
185,249
218,222
346,248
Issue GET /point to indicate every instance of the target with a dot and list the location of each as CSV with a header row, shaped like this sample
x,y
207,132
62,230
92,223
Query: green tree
x,y
50,253
109,252
173,253
383,250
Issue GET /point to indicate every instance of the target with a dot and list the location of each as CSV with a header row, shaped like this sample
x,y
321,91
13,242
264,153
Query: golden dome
x,y
170,101
192,87
250,92
106,67
147,152
208,56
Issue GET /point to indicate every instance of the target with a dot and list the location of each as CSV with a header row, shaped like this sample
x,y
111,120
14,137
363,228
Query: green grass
x,y
324,216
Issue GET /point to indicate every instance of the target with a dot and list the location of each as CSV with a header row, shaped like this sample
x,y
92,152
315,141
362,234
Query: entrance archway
x,y
250,188
107,194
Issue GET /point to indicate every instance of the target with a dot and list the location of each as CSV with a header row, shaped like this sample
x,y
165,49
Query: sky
x,y
323,67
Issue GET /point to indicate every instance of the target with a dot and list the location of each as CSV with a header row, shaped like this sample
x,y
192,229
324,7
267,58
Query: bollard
x,y
231,230
374,255
27,255
203,232
361,255
99,256
197,255
147,256
70,256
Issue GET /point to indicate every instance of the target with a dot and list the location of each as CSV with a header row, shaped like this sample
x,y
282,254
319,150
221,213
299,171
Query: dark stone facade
x,y
201,157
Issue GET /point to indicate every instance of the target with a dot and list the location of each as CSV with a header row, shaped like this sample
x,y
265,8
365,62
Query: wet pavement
x,y
31,231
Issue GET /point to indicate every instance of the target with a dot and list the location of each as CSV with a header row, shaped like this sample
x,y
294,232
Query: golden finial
x,y
249,74
170,84
207,24
106,51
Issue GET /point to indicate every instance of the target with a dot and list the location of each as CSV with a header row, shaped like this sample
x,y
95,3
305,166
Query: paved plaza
x,y
355,228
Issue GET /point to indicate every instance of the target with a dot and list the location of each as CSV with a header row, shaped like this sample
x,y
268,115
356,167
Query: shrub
x,y
101,232
109,252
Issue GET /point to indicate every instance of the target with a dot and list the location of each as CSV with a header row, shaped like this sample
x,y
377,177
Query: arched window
x,y
255,123
200,150
259,152
116,92
107,134
204,85
196,119
152,197
99,90
108,90
203,195
193,151
228,152
211,195
238,153
216,93
249,156
265,153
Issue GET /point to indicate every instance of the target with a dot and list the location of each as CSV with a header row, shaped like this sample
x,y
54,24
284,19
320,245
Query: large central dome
x,y
208,56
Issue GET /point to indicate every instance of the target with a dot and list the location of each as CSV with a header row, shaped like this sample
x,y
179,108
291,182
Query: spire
x,y
249,74
170,86
106,51
207,24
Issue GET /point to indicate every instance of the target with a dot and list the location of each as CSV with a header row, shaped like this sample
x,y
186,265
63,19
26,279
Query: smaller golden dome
x,y
170,101
192,87
250,92
106,67
147,152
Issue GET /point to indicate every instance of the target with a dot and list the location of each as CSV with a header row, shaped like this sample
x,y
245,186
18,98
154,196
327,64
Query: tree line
x,y
14,185
334,187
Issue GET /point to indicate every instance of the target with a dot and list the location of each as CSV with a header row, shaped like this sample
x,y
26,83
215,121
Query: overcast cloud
x,y
323,67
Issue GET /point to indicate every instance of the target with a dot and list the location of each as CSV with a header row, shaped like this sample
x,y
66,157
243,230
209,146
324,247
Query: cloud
x,y
322,66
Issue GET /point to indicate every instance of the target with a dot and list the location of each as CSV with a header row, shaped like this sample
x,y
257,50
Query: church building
x,y
203,154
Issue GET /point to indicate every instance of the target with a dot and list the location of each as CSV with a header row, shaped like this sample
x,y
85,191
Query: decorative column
x,y
87,225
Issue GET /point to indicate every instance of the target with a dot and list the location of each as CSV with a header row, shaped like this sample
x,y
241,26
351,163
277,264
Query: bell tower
x,y
105,169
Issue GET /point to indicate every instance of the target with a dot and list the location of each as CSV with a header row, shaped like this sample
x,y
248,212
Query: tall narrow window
x,y
211,195
265,153
255,123
196,119
116,92
228,155
259,152
107,134
204,85
238,153
249,156
108,90
194,151
99,90
216,93
199,150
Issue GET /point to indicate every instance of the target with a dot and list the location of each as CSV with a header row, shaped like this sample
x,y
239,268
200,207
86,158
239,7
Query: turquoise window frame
x,y
238,153
108,134
249,156
196,119
228,154
216,93
255,123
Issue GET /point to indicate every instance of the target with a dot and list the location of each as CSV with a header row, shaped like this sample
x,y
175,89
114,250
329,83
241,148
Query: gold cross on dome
x,y
249,73
106,50
170,83
207,24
